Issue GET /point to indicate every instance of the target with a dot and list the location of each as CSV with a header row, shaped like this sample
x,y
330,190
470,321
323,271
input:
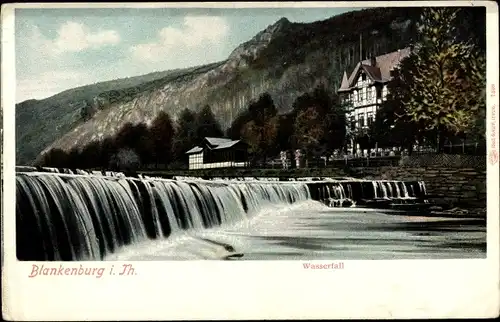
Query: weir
x,y
370,193
61,216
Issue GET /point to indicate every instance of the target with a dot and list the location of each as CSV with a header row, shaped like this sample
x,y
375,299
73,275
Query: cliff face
x,y
286,59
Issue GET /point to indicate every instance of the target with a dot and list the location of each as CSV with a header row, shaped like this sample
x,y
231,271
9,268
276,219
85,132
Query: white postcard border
x,y
251,289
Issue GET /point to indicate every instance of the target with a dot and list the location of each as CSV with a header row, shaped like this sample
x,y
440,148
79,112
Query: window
x,y
353,123
370,119
368,93
363,77
379,92
361,120
359,96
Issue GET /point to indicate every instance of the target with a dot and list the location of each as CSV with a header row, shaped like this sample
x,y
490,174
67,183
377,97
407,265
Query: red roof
x,y
381,72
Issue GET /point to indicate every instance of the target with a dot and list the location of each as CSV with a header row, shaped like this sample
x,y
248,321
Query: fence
x,y
375,161
418,159
476,148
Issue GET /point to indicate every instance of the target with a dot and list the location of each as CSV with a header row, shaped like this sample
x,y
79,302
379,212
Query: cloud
x,y
72,37
50,83
195,32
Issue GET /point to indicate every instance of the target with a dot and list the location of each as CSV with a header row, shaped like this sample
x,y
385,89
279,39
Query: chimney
x,y
373,61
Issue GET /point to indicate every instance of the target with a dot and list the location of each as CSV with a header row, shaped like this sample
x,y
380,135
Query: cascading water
x,y
333,193
86,217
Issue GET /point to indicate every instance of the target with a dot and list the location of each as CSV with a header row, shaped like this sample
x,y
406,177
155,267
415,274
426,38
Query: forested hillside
x,y
285,60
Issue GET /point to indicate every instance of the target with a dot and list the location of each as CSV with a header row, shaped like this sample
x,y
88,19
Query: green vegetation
x,y
298,59
161,145
262,127
439,91
320,124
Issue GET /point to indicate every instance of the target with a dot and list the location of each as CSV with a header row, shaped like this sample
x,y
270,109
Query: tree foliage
x,y
392,126
133,145
185,137
444,79
162,134
126,160
319,121
207,125
261,131
235,130
308,129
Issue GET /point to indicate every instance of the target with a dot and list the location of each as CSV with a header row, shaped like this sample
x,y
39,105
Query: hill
x,y
286,59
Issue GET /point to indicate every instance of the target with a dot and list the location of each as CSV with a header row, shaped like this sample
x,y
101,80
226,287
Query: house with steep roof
x,y
366,88
218,153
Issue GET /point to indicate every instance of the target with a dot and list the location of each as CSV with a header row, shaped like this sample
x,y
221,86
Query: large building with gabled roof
x,y
366,88
218,153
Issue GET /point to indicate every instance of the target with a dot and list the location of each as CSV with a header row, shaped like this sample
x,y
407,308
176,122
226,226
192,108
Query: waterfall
x,y
381,191
375,186
86,217
62,216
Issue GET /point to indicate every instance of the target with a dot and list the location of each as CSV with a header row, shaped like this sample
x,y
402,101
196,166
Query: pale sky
x,y
59,49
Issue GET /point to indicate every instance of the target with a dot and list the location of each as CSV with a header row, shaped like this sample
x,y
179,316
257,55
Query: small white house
x,y
218,153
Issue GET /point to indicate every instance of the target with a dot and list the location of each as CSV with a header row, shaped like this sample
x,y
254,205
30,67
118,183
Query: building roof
x,y
381,72
215,144
373,72
196,149
226,145
345,81
217,141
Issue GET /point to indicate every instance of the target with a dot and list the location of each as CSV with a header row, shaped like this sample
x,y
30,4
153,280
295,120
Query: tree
x,y
90,155
446,79
262,109
392,126
236,129
261,139
207,125
308,130
319,121
162,135
126,160
185,134
261,131
137,138
335,120
74,160
285,132
86,111
56,158
108,149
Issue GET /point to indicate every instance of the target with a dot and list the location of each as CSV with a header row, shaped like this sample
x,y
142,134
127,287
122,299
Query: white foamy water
x,y
73,215
309,230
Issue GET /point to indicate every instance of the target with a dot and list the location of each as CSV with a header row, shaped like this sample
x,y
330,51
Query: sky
x,y
59,49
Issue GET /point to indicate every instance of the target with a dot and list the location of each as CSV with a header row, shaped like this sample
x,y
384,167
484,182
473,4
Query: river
x,y
89,217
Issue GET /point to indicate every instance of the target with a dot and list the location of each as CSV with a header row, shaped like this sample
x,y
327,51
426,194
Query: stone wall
x,y
444,160
447,186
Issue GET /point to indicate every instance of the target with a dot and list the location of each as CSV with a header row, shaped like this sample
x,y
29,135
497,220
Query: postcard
x,y
250,160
